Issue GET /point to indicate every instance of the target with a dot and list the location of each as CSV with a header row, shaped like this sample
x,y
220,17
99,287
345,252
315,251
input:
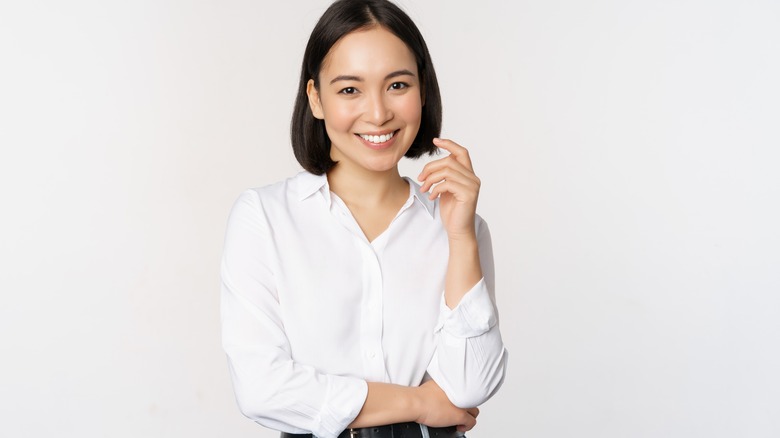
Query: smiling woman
x,y
355,301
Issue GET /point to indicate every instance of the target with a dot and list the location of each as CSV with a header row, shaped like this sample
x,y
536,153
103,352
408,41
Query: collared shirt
x,y
311,310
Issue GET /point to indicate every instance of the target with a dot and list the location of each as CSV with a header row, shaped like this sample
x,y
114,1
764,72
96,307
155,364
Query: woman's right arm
x,y
270,387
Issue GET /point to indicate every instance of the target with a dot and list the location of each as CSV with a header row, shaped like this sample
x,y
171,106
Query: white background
x,y
629,152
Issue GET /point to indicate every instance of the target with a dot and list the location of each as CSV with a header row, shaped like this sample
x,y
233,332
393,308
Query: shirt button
x,y
370,354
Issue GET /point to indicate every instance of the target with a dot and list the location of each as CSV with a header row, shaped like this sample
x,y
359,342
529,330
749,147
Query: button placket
x,y
371,318
371,308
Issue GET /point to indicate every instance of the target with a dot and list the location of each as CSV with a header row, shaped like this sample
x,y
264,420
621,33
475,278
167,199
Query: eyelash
x,y
404,85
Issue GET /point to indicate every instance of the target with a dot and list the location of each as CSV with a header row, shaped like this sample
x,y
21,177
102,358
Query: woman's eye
x,y
348,90
398,85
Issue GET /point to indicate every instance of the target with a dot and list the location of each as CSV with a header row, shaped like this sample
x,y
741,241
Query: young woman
x,y
355,301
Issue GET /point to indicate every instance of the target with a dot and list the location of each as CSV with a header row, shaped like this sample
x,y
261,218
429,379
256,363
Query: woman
x,y
353,297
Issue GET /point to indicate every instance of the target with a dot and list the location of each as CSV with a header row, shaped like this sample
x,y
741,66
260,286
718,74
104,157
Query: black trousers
x,y
399,430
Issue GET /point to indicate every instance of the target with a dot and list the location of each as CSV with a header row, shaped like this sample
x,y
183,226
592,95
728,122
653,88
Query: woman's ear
x,y
314,100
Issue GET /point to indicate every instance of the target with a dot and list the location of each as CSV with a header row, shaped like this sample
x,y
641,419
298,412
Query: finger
x,y
461,153
450,174
473,411
442,163
437,190
454,188
467,424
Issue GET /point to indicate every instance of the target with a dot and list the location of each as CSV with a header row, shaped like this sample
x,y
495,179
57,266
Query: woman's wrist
x,y
463,269
388,403
465,242
416,402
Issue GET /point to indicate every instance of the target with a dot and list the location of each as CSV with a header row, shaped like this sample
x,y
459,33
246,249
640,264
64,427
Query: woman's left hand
x,y
452,178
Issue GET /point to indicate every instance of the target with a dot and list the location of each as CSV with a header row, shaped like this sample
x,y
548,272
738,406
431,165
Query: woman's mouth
x,y
378,141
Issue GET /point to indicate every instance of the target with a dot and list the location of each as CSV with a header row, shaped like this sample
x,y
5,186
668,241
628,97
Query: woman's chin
x,y
374,164
382,165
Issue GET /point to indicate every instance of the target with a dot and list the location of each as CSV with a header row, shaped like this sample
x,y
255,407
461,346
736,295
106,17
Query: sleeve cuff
x,y
345,399
473,316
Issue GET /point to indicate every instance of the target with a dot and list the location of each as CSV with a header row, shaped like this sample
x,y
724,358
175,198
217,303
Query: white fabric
x,y
311,309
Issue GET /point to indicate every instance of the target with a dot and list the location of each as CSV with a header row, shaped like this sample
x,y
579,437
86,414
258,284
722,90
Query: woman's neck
x,y
367,188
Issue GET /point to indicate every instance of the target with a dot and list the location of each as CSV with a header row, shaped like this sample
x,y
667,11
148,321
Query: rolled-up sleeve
x,y
470,359
270,387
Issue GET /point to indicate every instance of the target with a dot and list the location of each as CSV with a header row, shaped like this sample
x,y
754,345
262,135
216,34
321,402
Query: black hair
x,y
310,141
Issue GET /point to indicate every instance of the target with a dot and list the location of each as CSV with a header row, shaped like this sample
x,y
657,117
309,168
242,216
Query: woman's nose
x,y
378,111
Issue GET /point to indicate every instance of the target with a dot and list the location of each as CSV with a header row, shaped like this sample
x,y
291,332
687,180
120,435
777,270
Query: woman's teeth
x,y
378,138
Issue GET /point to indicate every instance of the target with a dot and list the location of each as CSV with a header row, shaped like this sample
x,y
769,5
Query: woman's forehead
x,y
368,53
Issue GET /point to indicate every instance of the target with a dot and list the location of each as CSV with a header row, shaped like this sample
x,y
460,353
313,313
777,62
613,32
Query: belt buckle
x,y
353,433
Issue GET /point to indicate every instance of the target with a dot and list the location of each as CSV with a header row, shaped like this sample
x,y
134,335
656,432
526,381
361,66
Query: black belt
x,y
399,430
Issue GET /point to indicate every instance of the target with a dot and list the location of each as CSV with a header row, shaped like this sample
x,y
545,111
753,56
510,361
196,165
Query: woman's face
x,y
369,98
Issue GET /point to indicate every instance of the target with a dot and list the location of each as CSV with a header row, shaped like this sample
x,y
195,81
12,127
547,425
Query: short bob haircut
x,y
310,141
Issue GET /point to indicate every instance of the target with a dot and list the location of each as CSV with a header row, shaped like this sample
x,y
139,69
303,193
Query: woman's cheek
x,y
411,108
344,116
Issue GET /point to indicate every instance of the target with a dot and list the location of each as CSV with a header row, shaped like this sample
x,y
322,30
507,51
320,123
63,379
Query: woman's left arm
x,y
470,359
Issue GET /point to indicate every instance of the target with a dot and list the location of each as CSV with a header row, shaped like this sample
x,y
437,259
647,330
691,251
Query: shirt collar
x,y
422,198
309,184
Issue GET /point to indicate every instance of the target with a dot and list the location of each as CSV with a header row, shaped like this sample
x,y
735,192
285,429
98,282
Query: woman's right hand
x,y
436,410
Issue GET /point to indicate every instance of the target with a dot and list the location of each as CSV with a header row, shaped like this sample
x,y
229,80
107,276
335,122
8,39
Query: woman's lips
x,y
378,146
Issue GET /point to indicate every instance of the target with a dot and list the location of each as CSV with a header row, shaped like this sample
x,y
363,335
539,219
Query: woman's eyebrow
x,y
396,73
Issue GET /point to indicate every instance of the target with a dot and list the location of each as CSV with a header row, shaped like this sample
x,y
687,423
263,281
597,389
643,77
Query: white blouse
x,y
311,310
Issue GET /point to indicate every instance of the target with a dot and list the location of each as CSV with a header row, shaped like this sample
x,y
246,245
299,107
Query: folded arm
x,y
470,359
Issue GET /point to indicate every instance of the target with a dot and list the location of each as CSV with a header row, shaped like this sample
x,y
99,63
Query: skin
x,y
369,83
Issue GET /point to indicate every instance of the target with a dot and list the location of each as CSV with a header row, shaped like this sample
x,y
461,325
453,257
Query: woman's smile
x,y
378,141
